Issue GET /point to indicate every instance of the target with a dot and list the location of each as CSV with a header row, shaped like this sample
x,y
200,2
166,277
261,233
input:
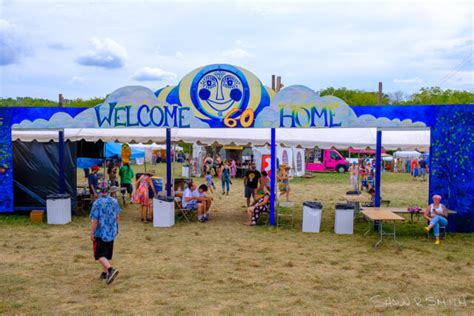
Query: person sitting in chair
x,y
260,206
195,199
437,216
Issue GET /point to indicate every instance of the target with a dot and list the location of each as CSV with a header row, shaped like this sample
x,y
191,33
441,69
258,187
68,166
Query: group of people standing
x,y
365,171
139,191
224,170
419,168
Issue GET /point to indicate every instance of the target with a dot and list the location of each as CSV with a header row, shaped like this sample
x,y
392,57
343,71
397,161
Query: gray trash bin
x,y
58,209
312,216
163,211
344,222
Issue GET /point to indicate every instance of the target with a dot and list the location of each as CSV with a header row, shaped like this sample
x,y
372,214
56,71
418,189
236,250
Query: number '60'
x,y
246,118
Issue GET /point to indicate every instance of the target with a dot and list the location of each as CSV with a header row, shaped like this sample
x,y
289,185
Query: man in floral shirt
x,y
104,228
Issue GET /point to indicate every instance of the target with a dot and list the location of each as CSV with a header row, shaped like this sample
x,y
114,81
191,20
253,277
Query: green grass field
x,y
224,267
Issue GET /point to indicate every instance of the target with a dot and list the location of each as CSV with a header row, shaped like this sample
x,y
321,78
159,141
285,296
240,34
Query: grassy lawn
x,y
224,267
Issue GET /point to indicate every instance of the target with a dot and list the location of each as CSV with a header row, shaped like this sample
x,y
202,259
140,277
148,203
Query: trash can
x,y
185,171
312,216
163,211
58,209
344,222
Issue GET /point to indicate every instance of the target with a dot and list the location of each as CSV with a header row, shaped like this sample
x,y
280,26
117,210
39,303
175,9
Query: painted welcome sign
x,y
226,96
216,96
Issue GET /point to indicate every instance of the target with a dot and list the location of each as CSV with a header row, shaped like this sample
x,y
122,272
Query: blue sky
x,y
90,48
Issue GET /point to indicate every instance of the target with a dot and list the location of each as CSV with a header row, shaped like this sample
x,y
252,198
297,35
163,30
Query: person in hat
x,y
251,181
284,180
437,216
104,229
93,181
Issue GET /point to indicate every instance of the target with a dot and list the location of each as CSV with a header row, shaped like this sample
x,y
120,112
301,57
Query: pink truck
x,y
323,160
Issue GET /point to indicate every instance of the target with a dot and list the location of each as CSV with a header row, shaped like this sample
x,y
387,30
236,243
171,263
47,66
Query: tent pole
x,y
168,162
62,179
272,177
378,168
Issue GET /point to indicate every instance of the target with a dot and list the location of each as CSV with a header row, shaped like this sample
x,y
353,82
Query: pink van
x,y
323,160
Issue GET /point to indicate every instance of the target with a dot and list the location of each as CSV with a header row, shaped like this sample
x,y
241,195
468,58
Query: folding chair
x,y
442,231
185,213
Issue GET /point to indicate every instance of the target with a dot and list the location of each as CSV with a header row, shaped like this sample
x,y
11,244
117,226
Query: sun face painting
x,y
218,91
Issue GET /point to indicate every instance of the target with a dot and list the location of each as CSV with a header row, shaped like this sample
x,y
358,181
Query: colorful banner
x,y
217,96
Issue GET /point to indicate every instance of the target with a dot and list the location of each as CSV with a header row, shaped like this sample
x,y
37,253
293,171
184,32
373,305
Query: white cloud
x,y
236,53
153,74
59,46
12,44
78,80
408,80
179,55
104,53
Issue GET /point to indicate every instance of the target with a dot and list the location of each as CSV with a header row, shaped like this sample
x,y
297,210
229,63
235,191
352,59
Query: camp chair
x,y
185,213
285,210
442,231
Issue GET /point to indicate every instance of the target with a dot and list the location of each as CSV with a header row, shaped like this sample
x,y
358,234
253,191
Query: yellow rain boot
x,y
427,229
437,242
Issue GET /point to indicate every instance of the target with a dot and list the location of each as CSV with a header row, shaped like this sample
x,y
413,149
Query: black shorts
x,y
129,187
103,249
249,192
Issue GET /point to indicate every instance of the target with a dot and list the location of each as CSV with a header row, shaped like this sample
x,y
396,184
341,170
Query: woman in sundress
x,y
142,195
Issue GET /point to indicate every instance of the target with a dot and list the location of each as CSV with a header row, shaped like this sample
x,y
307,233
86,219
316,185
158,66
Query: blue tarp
x,y
113,150
88,162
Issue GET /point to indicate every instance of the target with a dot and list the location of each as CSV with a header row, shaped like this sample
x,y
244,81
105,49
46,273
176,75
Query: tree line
x,y
433,95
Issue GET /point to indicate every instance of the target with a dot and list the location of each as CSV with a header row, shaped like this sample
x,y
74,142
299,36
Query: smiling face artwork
x,y
221,95
219,91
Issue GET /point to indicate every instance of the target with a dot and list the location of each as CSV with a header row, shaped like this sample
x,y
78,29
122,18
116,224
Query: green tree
x,y
355,97
436,95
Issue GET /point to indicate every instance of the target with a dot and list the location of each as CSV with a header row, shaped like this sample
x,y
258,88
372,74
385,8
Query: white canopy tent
x,y
341,138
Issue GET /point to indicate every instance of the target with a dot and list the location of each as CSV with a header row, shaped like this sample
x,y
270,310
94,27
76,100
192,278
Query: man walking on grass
x,y
104,229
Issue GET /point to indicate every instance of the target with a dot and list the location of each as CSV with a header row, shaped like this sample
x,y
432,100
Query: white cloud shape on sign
x,y
295,97
104,53
153,74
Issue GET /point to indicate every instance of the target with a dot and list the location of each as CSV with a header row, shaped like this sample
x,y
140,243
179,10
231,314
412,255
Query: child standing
x,y
104,229
209,181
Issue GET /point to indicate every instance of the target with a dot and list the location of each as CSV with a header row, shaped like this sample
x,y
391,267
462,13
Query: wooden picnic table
x,y
381,216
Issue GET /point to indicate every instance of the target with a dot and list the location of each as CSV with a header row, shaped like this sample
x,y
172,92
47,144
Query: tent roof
x,y
357,138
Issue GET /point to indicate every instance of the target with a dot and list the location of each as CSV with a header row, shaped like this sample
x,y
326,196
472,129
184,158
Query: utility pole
x,y
61,100
379,99
277,86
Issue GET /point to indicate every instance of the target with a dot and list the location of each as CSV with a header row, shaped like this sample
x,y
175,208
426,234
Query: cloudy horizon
x,y
90,48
